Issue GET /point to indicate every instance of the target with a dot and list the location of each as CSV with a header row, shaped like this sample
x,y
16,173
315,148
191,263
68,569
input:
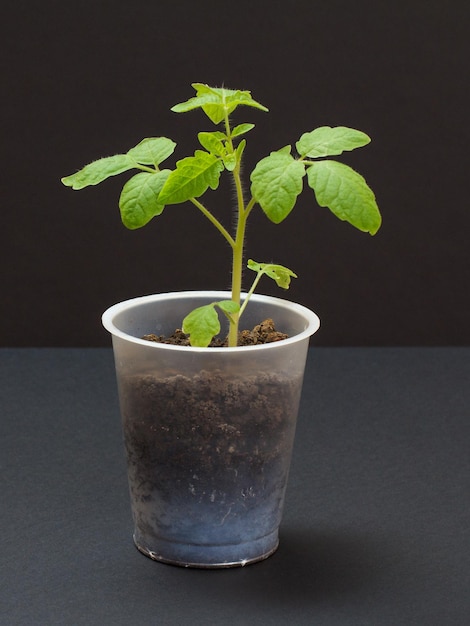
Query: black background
x,y
89,79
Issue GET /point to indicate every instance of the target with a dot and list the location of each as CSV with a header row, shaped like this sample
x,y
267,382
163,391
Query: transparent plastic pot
x,y
208,431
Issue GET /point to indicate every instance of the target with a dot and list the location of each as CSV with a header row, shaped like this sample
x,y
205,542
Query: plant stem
x,y
250,293
237,258
145,168
237,249
214,221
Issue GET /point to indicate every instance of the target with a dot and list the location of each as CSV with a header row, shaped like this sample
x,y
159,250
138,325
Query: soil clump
x,y
262,333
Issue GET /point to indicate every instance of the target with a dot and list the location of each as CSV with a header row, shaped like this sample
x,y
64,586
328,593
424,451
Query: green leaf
x,y
202,324
230,161
94,173
240,149
217,102
228,307
236,98
210,103
212,143
202,88
327,141
346,194
280,274
228,96
276,183
152,151
139,200
207,98
191,178
241,129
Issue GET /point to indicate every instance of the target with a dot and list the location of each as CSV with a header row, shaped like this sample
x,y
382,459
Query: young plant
x,y
276,182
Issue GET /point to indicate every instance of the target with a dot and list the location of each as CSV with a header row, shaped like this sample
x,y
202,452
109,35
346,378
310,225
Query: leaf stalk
x,y
222,230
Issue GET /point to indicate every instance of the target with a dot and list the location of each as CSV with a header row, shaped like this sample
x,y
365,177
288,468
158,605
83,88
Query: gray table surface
x,y
377,519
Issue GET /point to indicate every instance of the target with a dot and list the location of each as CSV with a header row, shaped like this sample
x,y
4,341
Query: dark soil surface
x,y
262,333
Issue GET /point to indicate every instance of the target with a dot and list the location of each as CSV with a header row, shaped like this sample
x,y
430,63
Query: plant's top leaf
x,y
196,102
202,88
279,273
328,141
152,151
232,97
217,102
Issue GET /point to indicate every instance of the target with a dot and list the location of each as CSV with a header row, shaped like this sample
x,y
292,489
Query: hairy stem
x,y
238,243
237,272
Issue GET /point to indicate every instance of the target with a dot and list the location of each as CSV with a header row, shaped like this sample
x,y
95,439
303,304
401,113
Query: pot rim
x,y
312,321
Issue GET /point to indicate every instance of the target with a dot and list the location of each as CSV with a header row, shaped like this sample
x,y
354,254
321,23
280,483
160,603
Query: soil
x,y
216,419
215,448
262,333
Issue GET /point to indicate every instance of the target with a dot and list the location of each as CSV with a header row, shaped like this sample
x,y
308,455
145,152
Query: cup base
x,y
211,557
